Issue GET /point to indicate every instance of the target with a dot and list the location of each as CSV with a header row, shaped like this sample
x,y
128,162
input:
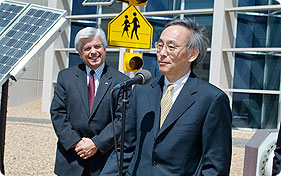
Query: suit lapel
x,y
154,98
183,102
105,82
81,84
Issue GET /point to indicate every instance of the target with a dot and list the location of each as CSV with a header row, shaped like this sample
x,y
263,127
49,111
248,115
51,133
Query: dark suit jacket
x,y
277,157
195,138
72,121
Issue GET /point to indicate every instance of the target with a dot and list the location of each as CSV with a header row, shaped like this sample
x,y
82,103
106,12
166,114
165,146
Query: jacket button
x,y
154,163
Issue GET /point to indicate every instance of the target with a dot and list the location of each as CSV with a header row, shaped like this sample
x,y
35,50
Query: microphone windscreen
x,y
146,75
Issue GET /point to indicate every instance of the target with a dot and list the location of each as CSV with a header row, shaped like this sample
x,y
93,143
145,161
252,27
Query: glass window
x,y
112,59
199,4
253,71
165,5
249,71
256,2
274,25
114,8
255,110
74,59
79,9
257,70
104,25
258,29
251,31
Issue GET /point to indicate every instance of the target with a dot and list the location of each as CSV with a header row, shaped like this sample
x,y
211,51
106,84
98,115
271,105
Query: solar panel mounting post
x,y
4,102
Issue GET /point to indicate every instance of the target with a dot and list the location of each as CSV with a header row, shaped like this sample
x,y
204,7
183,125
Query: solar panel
x,y
9,11
97,2
32,29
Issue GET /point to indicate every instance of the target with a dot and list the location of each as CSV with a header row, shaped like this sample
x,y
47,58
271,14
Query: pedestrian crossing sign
x,y
130,29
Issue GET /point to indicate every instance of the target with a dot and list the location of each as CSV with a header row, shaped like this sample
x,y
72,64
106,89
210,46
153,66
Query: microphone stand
x,y
125,101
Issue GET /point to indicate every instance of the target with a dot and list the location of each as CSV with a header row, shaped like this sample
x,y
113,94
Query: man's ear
x,y
193,54
79,52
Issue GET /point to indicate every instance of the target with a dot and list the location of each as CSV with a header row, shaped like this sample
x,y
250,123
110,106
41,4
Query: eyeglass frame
x,y
168,49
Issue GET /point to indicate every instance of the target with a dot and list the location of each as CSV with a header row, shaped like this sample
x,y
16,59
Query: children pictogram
x,y
136,26
126,25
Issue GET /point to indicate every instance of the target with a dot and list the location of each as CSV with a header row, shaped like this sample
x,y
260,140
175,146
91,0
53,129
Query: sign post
x,y
131,30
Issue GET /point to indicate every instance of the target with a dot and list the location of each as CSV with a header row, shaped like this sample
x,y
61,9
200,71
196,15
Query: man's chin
x,y
93,65
163,70
95,62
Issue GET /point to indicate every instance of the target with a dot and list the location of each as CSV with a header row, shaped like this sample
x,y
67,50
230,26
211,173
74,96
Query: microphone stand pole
x,y
125,101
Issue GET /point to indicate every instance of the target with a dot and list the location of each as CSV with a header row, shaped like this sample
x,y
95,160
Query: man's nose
x,y
93,51
163,51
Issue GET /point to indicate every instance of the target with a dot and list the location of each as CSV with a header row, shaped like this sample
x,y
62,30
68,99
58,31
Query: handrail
x,y
155,13
277,49
253,8
255,91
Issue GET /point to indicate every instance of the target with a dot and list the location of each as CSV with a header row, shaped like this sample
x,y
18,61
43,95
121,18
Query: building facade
x,y
243,58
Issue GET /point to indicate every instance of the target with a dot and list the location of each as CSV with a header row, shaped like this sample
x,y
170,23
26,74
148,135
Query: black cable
x,y
113,127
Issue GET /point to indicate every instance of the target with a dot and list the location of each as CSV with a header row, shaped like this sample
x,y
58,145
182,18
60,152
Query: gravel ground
x,y
31,143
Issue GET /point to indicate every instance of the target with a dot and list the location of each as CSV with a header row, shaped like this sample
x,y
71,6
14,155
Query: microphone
x,y
142,77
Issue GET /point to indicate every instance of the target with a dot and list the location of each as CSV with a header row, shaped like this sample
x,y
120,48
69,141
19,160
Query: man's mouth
x,y
93,58
163,62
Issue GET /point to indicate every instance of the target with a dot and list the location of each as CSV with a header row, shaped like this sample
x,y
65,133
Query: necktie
x,y
166,103
91,89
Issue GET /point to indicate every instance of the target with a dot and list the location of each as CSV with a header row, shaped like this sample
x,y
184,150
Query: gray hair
x,y
89,32
198,38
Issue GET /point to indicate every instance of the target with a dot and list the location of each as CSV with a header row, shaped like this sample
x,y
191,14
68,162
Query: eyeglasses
x,y
171,47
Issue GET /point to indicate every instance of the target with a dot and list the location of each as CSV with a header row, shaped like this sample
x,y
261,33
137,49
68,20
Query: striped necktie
x,y
166,103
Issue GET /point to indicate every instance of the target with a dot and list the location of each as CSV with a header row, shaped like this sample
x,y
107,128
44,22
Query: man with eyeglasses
x,y
178,125
80,109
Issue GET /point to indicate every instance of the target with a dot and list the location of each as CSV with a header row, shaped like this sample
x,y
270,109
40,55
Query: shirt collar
x,y
179,82
98,71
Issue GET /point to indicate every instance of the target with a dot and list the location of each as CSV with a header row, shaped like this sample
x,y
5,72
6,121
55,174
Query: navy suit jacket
x,y
276,168
195,138
72,120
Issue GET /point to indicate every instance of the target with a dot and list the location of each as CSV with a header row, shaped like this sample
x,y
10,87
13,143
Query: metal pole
x,y
4,102
125,101
99,11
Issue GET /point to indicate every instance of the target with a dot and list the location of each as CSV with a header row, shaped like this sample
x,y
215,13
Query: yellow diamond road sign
x,y
130,29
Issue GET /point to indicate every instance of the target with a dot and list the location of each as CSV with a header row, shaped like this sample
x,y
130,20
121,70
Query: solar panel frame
x,y
97,2
27,37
